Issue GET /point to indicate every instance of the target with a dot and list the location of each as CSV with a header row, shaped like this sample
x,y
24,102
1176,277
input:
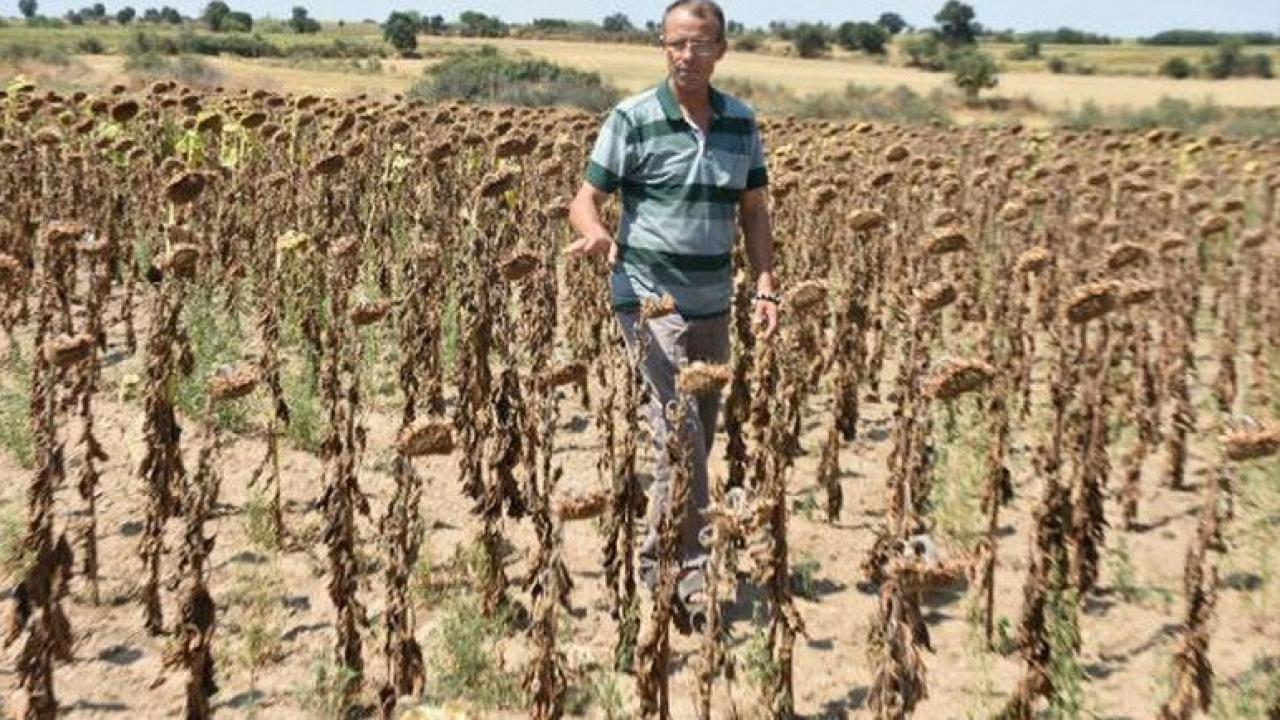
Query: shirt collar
x,y
671,106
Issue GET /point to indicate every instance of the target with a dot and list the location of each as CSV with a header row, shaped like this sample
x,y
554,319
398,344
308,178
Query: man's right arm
x,y
584,215
609,163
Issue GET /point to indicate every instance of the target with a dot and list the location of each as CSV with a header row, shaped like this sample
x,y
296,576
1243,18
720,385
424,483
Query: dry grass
x,y
636,67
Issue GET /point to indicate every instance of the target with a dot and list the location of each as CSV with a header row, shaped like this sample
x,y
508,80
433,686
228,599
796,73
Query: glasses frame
x,y
698,47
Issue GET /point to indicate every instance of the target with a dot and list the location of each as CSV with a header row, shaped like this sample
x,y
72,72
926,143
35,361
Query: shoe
x,y
690,606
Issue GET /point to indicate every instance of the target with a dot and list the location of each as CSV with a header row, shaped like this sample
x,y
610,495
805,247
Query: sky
x,y
1122,18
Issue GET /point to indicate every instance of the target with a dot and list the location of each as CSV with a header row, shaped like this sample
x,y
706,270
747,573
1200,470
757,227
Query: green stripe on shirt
x,y
691,193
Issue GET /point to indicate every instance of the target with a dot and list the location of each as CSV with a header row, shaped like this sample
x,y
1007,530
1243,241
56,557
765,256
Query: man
x,y
687,159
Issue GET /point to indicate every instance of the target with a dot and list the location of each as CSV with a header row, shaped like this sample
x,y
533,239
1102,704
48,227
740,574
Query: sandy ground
x,y
117,670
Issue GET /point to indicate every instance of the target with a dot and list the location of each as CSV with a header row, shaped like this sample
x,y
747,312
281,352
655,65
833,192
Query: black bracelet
x,y
769,298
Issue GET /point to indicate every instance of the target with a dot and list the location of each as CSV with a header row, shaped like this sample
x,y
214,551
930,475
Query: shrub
x,y
37,52
924,51
973,72
748,43
864,36
854,102
809,41
486,76
186,68
90,45
1056,65
1177,67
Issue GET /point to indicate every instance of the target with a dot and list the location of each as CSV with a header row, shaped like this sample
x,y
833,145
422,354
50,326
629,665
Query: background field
x,y
1124,73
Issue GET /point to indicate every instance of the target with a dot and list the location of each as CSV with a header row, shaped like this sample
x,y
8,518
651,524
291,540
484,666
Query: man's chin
x,y
688,82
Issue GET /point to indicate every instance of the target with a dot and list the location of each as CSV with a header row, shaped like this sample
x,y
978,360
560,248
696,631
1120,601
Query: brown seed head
x,y
233,383
185,188
864,219
652,308
519,266
67,350
1212,224
1035,259
936,296
1126,254
807,294
368,312
957,377
329,166
496,183
1090,302
574,373
1139,292
426,436
582,506
63,231
1244,445
947,240
703,379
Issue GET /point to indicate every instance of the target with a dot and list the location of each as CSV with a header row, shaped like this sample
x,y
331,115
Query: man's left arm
x,y
757,234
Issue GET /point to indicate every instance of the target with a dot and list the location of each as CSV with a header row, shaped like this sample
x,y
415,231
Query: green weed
x,y
465,663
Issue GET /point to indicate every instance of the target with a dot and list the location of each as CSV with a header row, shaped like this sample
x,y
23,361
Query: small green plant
x,y
259,526
15,408
306,418
256,620
807,503
958,475
1005,640
11,534
1124,579
598,689
804,577
1249,696
757,659
465,663
216,340
606,696
325,693
1066,675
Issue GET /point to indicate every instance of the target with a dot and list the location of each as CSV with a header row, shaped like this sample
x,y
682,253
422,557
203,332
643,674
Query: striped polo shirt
x,y
680,191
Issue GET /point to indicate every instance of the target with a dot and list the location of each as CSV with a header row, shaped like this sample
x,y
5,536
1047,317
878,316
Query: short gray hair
x,y
699,8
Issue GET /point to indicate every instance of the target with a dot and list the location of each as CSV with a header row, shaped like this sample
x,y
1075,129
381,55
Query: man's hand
x,y
591,247
766,318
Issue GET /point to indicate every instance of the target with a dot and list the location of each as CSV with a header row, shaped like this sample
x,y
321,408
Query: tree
x,y
301,22
214,14
98,12
170,15
867,37
477,24
433,25
973,72
892,22
237,21
401,30
617,23
126,15
73,17
810,41
955,24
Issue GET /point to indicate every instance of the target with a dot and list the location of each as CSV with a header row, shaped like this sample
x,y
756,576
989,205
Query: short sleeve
x,y
758,175
608,164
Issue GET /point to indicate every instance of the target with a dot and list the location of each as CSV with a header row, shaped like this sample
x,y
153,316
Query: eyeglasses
x,y
699,48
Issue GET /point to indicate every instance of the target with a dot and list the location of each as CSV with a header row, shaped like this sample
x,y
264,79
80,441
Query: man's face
x,y
693,47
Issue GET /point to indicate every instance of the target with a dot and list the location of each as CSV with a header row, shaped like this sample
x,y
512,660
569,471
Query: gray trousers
x,y
672,343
